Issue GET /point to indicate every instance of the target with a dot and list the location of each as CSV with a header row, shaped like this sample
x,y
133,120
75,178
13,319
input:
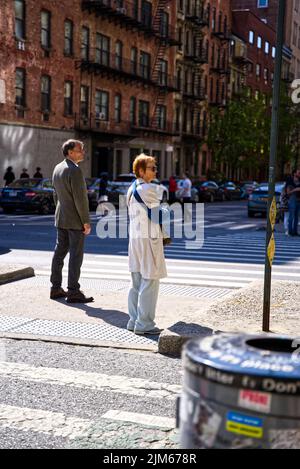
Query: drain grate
x,y
123,285
76,330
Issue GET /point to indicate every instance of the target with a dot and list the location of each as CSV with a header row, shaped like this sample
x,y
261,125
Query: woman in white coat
x,y
146,254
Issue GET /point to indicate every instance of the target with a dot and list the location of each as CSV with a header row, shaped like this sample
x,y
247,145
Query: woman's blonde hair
x,y
141,162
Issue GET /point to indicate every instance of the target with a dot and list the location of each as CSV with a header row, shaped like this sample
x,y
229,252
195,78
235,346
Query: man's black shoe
x,y
57,293
79,297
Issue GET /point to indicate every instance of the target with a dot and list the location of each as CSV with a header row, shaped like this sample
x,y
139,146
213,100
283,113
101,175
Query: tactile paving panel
x,y
98,332
123,285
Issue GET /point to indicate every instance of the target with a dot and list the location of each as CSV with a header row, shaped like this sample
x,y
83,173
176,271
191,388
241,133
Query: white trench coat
x,y
146,252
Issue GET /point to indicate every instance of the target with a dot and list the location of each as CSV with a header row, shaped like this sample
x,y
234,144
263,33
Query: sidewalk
x,y
27,312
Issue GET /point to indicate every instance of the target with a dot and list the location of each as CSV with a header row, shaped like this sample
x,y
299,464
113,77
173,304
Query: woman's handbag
x,y
166,240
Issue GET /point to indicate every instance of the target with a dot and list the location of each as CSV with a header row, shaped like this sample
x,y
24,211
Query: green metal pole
x,y
270,244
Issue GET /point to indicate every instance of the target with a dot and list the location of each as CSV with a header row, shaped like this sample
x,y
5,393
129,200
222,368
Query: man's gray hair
x,y
70,145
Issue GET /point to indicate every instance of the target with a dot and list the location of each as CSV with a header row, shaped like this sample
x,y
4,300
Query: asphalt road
x,y
40,408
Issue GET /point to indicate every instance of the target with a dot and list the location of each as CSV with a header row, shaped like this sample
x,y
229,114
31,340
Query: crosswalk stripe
x,y
145,419
42,421
90,380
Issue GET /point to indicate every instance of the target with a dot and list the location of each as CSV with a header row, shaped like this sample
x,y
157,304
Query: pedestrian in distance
x,y
293,191
172,189
103,197
24,174
284,208
72,220
38,174
186,195
9,176
146,254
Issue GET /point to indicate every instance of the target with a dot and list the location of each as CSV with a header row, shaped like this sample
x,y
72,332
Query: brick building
x,y
99,71
259,54
267,11
216,72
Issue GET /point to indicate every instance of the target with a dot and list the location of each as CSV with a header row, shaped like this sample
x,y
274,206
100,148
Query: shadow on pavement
x,y
4,250
113,317
184,328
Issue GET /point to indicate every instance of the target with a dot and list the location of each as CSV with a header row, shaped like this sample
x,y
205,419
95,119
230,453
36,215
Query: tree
x,y
239,136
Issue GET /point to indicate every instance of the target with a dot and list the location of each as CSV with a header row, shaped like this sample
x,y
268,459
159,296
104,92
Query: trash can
x,y
240,391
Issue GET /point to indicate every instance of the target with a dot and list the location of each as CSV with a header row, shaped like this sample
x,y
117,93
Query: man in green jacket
x,y
72,221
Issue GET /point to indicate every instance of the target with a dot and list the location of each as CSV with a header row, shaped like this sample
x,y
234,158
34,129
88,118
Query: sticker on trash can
x,y
254,400
244,425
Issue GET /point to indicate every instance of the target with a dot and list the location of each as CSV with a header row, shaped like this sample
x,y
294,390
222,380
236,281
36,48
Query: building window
x,y
102,49
179,79
45,93
267,47
132,111
118,108
162,117
213,21
273,52
259,42
146,13
119,55
46,29
68,49
84,102
145,64
133,60
266,74
295,33
20,87
163,72
68,98
177,118
251,37
85,43
258,70
20,19
144,109
164,24
102,105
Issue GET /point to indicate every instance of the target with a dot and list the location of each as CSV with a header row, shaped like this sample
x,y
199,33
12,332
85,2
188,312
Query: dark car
x,y
231,190
258,200
92,185
35,195
209,191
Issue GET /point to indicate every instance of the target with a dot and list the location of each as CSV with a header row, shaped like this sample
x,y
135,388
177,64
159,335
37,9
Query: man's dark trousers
x,y
71,241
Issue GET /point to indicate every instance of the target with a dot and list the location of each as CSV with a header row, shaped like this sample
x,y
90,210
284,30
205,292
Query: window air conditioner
x,y
122,10
20,45
100,116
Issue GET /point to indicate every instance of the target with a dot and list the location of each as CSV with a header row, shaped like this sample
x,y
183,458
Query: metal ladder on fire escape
x,y
157,76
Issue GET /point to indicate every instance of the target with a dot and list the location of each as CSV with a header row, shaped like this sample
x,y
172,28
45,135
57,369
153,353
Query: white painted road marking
x,y
88,380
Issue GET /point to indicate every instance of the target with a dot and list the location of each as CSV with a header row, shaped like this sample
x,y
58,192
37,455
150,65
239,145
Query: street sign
x,y
273,213
271,250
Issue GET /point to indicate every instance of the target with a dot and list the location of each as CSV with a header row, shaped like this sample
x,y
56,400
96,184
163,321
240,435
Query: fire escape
x,y
165,84
198,18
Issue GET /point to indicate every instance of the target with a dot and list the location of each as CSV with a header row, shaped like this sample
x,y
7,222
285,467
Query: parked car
x,y
231,190
29,195
118,188
247,187
209,191
92,185
258,200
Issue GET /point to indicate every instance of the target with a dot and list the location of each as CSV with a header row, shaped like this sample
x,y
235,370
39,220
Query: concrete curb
x,y
171,341
12,273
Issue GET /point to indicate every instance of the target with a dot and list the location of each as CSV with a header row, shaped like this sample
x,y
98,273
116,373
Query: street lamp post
x,y
270,242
